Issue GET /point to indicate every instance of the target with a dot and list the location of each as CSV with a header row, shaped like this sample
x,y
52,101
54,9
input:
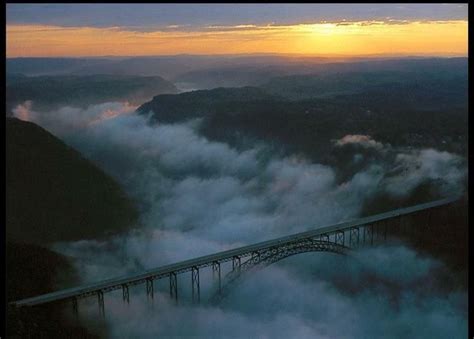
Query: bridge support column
x,y
125,293
422,228
425,221
216,270
369,234
354,237
428,217
377,233
408,225
149,288
195,284
75,307
447,216
400,226
441,218
174,286
339,237
100,297
236,263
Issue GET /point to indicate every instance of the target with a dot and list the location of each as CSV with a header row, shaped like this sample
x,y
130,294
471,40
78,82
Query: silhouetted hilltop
x,y
27,263
196,104
426,109
55,194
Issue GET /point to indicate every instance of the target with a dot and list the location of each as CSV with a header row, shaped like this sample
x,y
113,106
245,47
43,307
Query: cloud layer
x,y
198,197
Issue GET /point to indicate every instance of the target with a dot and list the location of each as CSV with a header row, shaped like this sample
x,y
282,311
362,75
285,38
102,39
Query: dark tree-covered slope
x,y
34,270
204,103
54,194
422,113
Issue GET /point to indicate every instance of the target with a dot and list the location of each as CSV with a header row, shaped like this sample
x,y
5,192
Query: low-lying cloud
x,y
358,139
420,166
198,196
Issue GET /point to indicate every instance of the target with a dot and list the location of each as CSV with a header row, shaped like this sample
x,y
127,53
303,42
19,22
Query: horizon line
x,y
288,55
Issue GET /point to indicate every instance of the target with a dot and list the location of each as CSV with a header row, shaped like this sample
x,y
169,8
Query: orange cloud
x,y
345,38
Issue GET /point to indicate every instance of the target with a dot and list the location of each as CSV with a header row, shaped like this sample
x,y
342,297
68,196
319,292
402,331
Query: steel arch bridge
x,y
260,260
340,238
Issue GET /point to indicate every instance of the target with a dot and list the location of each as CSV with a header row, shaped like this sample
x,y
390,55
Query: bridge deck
x,y
207,260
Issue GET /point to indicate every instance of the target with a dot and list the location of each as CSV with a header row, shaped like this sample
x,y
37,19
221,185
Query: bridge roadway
x,y
208,260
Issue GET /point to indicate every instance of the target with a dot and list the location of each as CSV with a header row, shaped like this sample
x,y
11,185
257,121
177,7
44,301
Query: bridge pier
x,y
442,218
235,263
196,293
100,298
368,234
428,221
354,236
445,217
339,237
371,227
425,221
421,228
409,225
400,226
149,288
376,233
174,286
125,293
216,270
75,307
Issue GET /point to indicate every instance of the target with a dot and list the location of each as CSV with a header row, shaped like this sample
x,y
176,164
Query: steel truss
x,y
339,237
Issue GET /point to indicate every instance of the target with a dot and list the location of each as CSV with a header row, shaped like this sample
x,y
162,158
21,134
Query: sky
x,y
66,30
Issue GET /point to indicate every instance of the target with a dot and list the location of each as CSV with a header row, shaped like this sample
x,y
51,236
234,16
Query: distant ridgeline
x,y
53,92
418,104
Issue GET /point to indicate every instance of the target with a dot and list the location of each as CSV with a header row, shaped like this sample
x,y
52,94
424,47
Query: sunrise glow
x,y
342,38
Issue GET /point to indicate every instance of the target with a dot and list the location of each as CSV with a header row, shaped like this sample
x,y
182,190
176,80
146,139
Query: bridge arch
x,y
264,258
